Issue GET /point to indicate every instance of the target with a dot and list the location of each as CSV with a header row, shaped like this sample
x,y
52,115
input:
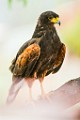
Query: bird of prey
x,y
38,57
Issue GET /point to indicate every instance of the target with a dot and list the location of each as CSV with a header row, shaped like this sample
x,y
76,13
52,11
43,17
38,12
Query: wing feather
x,y
24,46
25,60
59,60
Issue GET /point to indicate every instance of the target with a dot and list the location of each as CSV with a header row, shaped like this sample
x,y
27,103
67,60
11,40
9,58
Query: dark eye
x,y
50,17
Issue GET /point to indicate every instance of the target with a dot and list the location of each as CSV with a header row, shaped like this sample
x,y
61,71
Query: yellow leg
x,y
41,87
30,100
42,90
30,83
44,96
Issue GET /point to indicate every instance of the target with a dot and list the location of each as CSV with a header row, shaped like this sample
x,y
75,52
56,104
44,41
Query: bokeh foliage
x,y
23,1
71,35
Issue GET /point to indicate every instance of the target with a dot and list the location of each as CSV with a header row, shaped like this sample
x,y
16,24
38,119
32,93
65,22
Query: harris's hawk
x,y
41,55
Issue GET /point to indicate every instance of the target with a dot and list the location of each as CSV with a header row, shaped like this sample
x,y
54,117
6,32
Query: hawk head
x,y
49,17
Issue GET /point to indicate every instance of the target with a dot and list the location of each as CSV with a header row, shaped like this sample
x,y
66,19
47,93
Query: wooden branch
x,y
62,99
68,94
65,96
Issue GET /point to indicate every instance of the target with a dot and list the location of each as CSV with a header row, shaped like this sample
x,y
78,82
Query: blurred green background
x,y
17,23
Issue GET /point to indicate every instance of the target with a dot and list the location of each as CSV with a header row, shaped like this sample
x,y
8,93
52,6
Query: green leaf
x,y
10,3
24,2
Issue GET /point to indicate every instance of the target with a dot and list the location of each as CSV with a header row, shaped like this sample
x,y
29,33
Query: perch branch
x,y
65,96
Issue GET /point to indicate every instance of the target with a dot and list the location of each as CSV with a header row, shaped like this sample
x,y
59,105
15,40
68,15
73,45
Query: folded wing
x,y
26,60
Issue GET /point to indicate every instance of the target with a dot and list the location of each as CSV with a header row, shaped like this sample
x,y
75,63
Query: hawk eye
x,y
50,17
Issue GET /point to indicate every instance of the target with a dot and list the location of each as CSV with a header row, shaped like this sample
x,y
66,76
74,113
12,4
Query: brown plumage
x,y
38,57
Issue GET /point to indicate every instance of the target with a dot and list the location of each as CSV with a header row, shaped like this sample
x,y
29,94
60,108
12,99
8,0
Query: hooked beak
x,y
56,20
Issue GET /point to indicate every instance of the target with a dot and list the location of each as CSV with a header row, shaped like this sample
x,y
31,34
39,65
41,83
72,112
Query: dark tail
x,y
14,89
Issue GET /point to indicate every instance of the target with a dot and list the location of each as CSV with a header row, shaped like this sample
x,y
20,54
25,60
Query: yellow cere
x,y
55,20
